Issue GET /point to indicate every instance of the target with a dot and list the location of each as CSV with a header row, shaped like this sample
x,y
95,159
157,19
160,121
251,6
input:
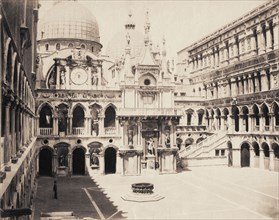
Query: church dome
x,y
69,20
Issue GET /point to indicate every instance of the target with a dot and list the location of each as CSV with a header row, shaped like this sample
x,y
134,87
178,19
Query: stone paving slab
x,y
72,197
200,193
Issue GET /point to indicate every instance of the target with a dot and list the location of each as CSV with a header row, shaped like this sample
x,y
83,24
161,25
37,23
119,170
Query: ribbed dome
x,y
116,46
69,19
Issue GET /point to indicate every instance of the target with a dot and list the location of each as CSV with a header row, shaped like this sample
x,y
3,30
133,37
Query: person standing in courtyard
x,y
55,190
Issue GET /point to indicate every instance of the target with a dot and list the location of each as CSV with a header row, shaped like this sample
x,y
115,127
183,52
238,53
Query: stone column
x,y
216,57
276,33
215,90
235,52
70,164
233,87
251,42
264,81
250,83
261,40
213,64
7,149
70,125
139,133
222,123
262,125
226,55
172,138
250,123
271,122
228,89
101,125
125,134
242,123
244,85
90,122
268,38
231,123
17,129
13,131
222,51
55,125
261,158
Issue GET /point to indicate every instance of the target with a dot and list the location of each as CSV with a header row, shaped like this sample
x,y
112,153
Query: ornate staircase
x,y
205,148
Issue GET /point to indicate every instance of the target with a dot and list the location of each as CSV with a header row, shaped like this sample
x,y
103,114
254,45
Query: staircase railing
x,y
199,147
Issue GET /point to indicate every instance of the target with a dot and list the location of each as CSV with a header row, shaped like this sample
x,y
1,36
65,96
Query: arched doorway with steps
x,y
245,155
110,160
45,162
79,161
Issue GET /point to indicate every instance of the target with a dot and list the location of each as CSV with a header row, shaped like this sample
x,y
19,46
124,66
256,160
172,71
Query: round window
x,y
147,82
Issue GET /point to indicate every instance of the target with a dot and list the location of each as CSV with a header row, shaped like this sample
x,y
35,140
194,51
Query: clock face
x,y
79,76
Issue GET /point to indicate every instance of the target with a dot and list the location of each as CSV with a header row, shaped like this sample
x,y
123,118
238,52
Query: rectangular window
x,y
216,153
223,152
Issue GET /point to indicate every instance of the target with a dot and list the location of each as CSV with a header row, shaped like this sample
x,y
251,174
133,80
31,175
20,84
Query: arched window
x,y
58,46
110,116
45,120
265,112
78,117
82,46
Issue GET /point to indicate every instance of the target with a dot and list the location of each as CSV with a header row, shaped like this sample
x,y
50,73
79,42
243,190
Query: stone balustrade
x,y
79,131
46,131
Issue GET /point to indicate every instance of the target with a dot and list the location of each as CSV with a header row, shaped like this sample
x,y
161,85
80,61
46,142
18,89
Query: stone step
x,y
136,197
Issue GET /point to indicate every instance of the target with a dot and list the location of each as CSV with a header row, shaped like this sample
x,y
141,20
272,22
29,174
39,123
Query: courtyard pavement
x,y
200,193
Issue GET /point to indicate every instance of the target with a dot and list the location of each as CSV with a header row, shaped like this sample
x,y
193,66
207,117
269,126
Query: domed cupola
x,y
70,24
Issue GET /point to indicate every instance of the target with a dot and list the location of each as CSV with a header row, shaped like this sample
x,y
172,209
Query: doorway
x,y
45,162
110,160
245,155
78,162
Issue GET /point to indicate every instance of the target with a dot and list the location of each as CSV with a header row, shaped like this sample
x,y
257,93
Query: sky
x,y
182,22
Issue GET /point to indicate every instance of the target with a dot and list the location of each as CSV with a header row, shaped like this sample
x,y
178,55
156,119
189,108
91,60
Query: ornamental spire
x,y
130,25
147,28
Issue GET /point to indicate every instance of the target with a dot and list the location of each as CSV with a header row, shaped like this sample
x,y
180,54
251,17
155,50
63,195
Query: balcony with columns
x,y
251,42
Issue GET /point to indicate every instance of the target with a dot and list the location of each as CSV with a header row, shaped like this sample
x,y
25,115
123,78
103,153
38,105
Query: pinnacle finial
x,y
147,22
130,24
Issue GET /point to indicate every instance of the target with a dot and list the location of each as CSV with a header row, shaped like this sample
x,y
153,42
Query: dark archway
x,y
62,118
245,155
45,162
245,116
46,120
218,117
256,148
256,117
235,111
275,148
266,116
266,152
189,141
78,162
110,160
78,117
110,116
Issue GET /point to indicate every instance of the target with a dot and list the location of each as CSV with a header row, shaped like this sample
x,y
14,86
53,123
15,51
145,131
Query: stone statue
x,y
150,146
62,161
167,142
